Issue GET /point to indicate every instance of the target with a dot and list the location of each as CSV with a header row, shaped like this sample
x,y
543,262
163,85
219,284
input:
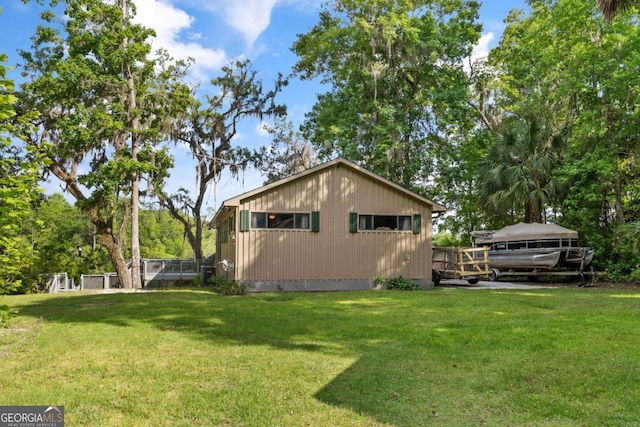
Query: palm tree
x,y
630,232
517,172
610,8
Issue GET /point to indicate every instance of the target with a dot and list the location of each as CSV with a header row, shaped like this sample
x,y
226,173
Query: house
x,y
337,226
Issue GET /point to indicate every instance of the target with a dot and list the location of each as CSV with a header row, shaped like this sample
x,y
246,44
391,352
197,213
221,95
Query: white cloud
x,y
249,17
481,50
252,17
169,22
261,129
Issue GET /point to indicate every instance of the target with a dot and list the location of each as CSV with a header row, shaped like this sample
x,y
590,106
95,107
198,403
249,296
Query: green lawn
x,y
444,357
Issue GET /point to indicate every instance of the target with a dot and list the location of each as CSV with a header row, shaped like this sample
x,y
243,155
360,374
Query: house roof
x,y
237,201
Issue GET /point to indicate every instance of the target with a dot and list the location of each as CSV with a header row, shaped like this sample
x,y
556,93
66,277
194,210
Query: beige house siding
x,y
333,253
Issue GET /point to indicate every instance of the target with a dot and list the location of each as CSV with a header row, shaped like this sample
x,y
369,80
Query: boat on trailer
x,y
539,259
535,248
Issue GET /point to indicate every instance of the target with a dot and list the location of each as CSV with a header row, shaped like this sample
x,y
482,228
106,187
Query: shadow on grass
x,y
421,358
370,326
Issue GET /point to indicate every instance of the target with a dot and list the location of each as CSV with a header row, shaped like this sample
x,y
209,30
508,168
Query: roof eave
x,y
237,201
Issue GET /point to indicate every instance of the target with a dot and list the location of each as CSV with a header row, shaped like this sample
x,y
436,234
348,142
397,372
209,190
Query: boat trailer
x,y
472,264
467,263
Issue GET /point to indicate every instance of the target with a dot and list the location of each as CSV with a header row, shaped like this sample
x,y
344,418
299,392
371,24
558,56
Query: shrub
x,y
448,239
400,284
226,287
5,314
635,275
183,283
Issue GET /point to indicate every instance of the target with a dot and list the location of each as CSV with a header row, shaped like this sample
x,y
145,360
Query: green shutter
x,y
417,223
244,220
353,222
224,231
315,221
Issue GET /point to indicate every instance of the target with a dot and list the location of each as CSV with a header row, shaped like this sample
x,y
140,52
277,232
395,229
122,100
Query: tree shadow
x,y
391,336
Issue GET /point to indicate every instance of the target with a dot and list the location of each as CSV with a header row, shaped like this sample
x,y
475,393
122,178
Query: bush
x,y
380,282
184,283
635,276
226,287
448,239
400,284
5,314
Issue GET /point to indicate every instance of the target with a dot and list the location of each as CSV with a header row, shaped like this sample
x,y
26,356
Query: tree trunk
x,y
103,227
134,119
197,244
113,245
136,281
531,214
118,261
135,213
617,180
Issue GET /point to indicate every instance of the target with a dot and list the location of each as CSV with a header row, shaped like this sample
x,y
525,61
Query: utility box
x,y
207,271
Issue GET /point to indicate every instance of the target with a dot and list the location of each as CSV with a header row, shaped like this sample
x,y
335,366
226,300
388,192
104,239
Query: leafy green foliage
x,y
162,236
184,284
395,82
564,65
517,172
401,284
446,238
20,171
67,229
6,313
226,287
630,234
104,102
610,8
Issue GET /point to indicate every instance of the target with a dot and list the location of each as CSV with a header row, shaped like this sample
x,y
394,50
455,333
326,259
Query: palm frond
x,y
610,8
631,233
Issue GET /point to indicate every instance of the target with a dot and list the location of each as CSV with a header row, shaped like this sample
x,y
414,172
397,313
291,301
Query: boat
x,y
534,247
523,259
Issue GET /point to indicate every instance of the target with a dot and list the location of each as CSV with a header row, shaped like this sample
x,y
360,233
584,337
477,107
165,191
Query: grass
x,y
445,357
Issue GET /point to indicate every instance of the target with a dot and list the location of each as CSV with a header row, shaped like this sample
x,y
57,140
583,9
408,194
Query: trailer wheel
x,y
473,281
435,276
495,275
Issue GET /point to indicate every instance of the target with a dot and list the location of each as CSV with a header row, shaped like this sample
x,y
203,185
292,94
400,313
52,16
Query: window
x,y
280,220
384,222
223,231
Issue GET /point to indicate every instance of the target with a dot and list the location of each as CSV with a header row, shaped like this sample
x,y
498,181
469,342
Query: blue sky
x,y
217,31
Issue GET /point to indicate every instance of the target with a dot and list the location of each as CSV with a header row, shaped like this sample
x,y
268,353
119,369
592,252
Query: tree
x,y
163,236
610,8
517,173
208,129
20,172
396,82
563,63
288,154
103,102
65,244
